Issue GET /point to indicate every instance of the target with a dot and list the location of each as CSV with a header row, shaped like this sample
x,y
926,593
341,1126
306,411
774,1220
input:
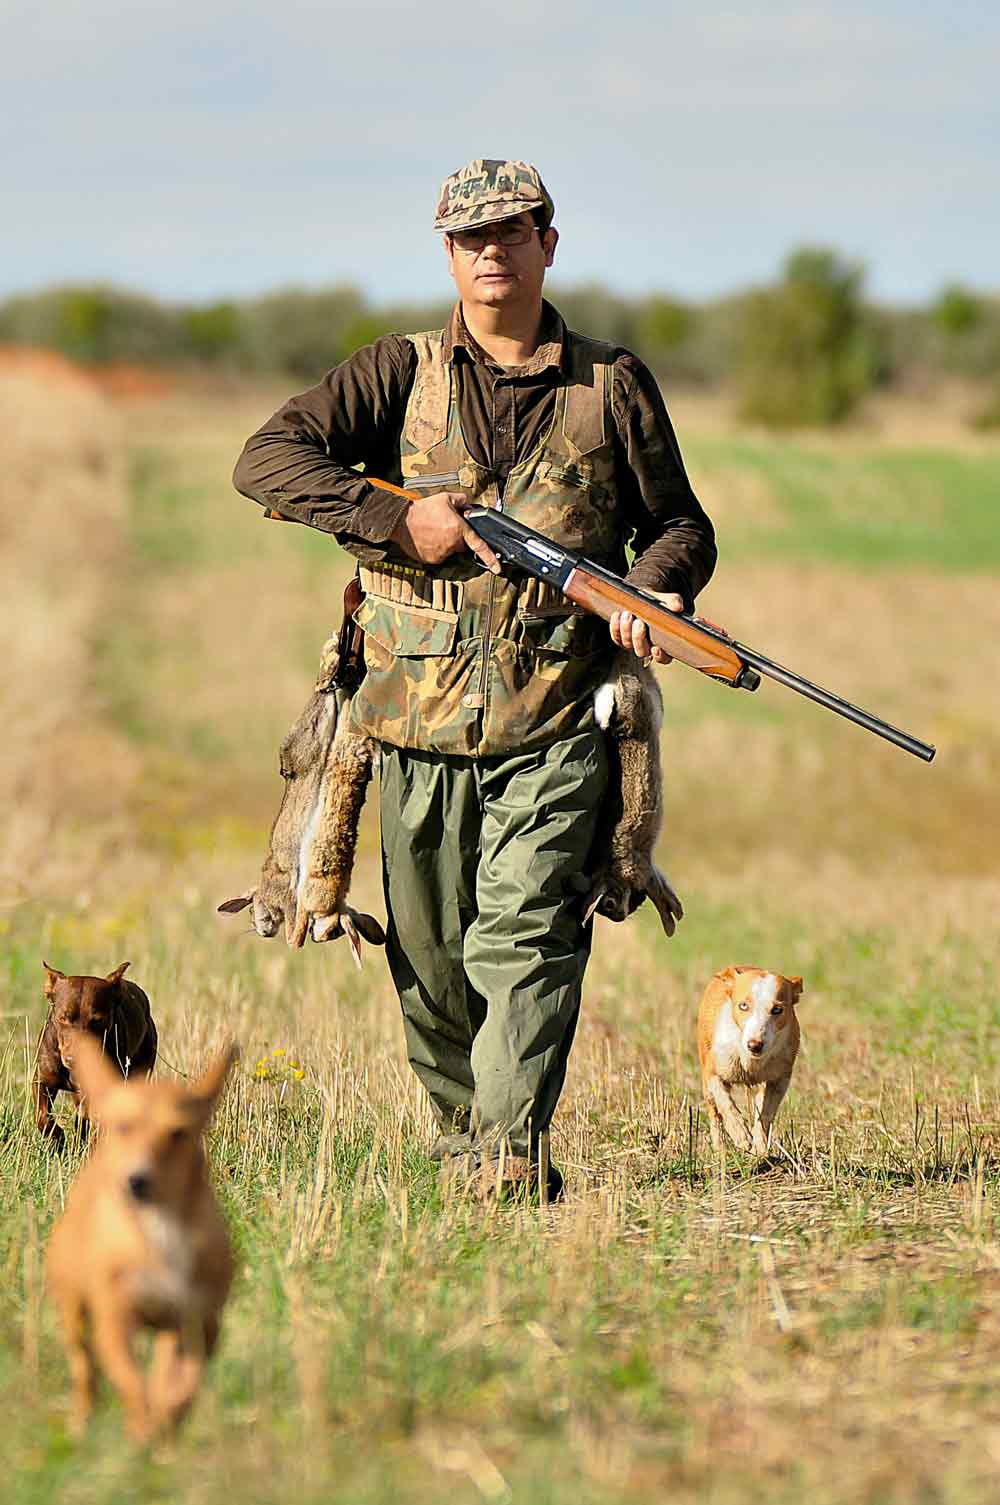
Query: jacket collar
x,y
551,351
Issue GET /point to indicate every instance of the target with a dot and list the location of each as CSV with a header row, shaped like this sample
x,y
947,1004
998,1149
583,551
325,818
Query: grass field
x,y
826,1330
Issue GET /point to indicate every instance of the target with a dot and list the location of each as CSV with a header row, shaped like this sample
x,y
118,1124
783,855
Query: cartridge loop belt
x,y
406,586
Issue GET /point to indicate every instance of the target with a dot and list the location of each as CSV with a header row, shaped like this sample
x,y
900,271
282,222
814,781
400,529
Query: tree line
x,y
804,349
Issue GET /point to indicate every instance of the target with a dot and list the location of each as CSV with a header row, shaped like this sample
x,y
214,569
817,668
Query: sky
x,y
198,150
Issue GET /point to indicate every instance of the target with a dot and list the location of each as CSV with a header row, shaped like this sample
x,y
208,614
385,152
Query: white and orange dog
x,y
748,1036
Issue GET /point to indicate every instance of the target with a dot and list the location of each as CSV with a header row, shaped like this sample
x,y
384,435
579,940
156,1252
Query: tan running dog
x,y
115,1012
748,1036
142,1243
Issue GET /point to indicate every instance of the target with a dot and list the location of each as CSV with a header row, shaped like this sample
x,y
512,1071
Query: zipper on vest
x,y
477,701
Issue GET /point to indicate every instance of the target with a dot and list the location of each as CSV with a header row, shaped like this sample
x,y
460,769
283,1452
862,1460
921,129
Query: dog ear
x,y
207,1089
732,973
52,976
90,1068
118,973
796,983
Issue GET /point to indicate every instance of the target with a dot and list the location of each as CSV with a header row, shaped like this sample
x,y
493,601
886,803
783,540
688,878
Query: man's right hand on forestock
x,y
433,528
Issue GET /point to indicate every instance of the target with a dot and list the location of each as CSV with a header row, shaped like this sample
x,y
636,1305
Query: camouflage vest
x,y
465,662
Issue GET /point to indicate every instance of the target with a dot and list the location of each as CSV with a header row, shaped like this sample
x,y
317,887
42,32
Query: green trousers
x,y
485,864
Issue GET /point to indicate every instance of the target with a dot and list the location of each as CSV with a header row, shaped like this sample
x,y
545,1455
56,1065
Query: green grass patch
x,y
863,508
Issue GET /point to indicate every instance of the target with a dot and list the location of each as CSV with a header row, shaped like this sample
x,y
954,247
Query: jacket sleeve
x,y
671,535
300,462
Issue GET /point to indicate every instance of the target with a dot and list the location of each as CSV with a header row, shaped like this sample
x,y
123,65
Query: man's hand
x,y
433,528
631,633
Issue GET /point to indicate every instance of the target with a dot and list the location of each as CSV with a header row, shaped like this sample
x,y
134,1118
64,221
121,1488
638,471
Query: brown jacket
x,y
300,462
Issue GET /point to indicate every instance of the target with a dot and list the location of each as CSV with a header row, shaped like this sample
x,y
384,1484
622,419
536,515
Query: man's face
x,y
494,274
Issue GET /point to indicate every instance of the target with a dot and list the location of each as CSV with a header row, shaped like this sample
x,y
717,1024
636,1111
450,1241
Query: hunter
x,y
480,683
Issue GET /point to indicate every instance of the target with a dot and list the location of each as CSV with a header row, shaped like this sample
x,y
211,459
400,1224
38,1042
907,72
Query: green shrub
x,y
95,324
363,330
662,324
214,333
806,349
957,311
802,351
299,332
596,311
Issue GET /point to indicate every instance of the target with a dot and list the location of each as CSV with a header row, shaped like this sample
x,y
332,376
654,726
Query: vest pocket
x,y
574,635
408,631
575,475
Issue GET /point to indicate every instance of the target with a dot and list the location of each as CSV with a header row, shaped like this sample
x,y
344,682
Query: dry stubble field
x,y
826,1330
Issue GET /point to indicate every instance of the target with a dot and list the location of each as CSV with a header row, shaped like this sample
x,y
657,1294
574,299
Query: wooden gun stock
x,y
674,634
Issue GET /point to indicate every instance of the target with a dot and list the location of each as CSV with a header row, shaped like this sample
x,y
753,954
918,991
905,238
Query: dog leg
x,y
767,1101
114,1331
162,1381
45,1096
211,1334
145,1057
714,1123
174,1377
732,1119
76,1337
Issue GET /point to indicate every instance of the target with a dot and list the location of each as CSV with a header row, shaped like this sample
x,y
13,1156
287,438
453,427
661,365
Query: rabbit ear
x,y
667,905
233,906
596,895
351,931
369,927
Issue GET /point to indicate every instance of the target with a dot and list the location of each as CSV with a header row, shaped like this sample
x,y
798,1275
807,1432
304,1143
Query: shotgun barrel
x,y
687,637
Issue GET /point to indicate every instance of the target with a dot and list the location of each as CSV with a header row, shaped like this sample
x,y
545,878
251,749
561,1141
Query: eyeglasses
x,y
504,233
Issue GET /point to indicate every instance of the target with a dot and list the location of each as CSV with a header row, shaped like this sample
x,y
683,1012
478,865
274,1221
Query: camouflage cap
x,y
487,190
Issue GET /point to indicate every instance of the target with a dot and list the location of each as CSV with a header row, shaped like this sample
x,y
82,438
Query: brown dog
x,y
142,1242
748,1036
115,1012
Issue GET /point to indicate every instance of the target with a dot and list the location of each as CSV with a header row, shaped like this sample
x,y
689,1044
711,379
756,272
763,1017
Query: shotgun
x,y
690,639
